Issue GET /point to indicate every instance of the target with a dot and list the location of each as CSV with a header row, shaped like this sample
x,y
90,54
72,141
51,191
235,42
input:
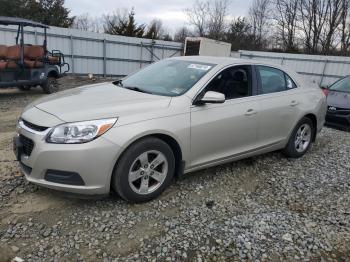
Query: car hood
x,y
339,99
99,101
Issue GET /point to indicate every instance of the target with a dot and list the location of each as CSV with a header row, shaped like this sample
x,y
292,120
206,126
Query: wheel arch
x,y
169,139
313,118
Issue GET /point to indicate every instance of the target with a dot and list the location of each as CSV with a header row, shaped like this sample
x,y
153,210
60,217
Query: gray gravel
x,y
266,208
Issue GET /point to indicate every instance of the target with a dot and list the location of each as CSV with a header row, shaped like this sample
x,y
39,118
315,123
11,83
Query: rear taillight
x,y
325,91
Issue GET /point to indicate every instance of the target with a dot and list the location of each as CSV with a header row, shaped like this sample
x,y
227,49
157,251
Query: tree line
x,y
298,26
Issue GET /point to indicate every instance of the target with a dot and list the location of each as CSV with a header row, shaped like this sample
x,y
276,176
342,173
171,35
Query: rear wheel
x,y
301,139
144,171
50,85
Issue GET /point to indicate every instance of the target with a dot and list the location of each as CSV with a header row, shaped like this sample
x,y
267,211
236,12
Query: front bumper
x,y
338,120
57,166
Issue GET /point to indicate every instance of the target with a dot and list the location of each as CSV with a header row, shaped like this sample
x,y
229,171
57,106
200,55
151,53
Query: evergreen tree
x,y
50,12
124,25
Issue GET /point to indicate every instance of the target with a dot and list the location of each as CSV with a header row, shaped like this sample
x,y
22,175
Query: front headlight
x,y
79,132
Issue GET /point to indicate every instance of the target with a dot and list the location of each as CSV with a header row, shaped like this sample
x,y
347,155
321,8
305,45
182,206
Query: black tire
x,y
291,149
24,88
120,179
50,86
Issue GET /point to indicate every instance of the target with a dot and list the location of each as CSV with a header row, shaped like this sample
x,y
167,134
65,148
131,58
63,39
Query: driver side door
x,y
220,132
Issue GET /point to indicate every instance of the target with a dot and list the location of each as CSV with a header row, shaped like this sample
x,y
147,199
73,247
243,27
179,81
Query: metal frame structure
x,y
283,58
144,46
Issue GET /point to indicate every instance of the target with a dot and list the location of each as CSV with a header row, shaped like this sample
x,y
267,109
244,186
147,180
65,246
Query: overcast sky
x,y
169,11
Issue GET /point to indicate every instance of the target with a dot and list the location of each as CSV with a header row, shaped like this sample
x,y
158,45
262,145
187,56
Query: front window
x,y
342,85
233,82
168,77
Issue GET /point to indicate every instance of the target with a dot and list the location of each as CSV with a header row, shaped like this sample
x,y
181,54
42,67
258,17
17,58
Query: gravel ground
x,y
266,208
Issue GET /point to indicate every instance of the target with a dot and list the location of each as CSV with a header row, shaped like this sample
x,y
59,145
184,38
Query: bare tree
x,y
313,15
345,27
87,23
198,16
286,17
216,19
181,34
208,17
259,16
333,21
155,29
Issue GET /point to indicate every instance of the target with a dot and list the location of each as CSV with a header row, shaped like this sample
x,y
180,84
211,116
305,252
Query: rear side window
x,y
274,80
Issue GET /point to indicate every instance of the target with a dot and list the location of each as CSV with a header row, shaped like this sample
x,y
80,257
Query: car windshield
x,y
168,77
342,85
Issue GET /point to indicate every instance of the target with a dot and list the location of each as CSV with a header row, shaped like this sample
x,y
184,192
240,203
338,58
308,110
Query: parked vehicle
x,y
338,100
25,65
175,116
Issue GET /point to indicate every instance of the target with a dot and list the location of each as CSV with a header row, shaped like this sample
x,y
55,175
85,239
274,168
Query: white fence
x,y
101,54
109,55
324,70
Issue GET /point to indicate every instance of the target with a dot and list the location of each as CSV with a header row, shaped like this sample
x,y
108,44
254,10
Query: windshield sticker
x,y
177,90
199,67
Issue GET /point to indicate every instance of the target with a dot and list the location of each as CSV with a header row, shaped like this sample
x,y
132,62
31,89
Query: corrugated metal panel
x,y
323,70
84,51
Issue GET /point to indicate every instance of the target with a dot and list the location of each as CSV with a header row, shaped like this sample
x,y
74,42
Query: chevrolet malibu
x,y
173,117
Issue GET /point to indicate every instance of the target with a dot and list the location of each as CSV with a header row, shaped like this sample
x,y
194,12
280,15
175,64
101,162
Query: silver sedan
x,y
173,117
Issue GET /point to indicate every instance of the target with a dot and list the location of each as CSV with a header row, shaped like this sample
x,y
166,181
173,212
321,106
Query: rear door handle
x,y
251,112
294,103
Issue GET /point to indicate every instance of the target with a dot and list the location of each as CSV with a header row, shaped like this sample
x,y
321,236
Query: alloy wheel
x,y
303,138
148,172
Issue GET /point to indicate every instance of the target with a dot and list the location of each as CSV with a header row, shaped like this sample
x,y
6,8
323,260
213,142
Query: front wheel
x,y
301,139
144,171
50,85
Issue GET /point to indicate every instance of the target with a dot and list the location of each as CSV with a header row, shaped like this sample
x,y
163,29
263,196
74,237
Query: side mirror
x,y
212,97
325,87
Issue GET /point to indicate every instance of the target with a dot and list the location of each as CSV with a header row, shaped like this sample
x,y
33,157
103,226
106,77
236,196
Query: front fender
x,y
177,127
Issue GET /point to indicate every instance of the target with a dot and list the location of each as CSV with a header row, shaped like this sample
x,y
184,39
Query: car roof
x,y
223,61
20,21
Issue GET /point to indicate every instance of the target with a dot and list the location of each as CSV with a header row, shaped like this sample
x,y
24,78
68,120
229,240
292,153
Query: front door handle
x,y
251,112
294,103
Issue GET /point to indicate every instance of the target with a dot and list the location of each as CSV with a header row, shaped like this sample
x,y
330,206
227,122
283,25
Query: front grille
x,y
33,126
27,144
341,121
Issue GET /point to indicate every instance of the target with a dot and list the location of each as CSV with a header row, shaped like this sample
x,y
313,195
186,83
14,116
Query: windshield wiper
x,y
137,89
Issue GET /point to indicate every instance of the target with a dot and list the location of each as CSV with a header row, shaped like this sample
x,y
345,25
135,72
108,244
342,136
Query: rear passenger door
x,y
279,100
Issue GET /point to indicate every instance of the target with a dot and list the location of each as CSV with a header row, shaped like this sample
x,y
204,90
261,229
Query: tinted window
x,y
342,85
168,77
289,82
233,82
274,80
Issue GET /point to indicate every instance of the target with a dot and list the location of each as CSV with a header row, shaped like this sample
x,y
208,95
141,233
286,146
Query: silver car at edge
x,y
173,117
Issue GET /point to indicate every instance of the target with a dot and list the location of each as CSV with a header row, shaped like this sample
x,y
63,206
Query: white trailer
x,y
206,47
